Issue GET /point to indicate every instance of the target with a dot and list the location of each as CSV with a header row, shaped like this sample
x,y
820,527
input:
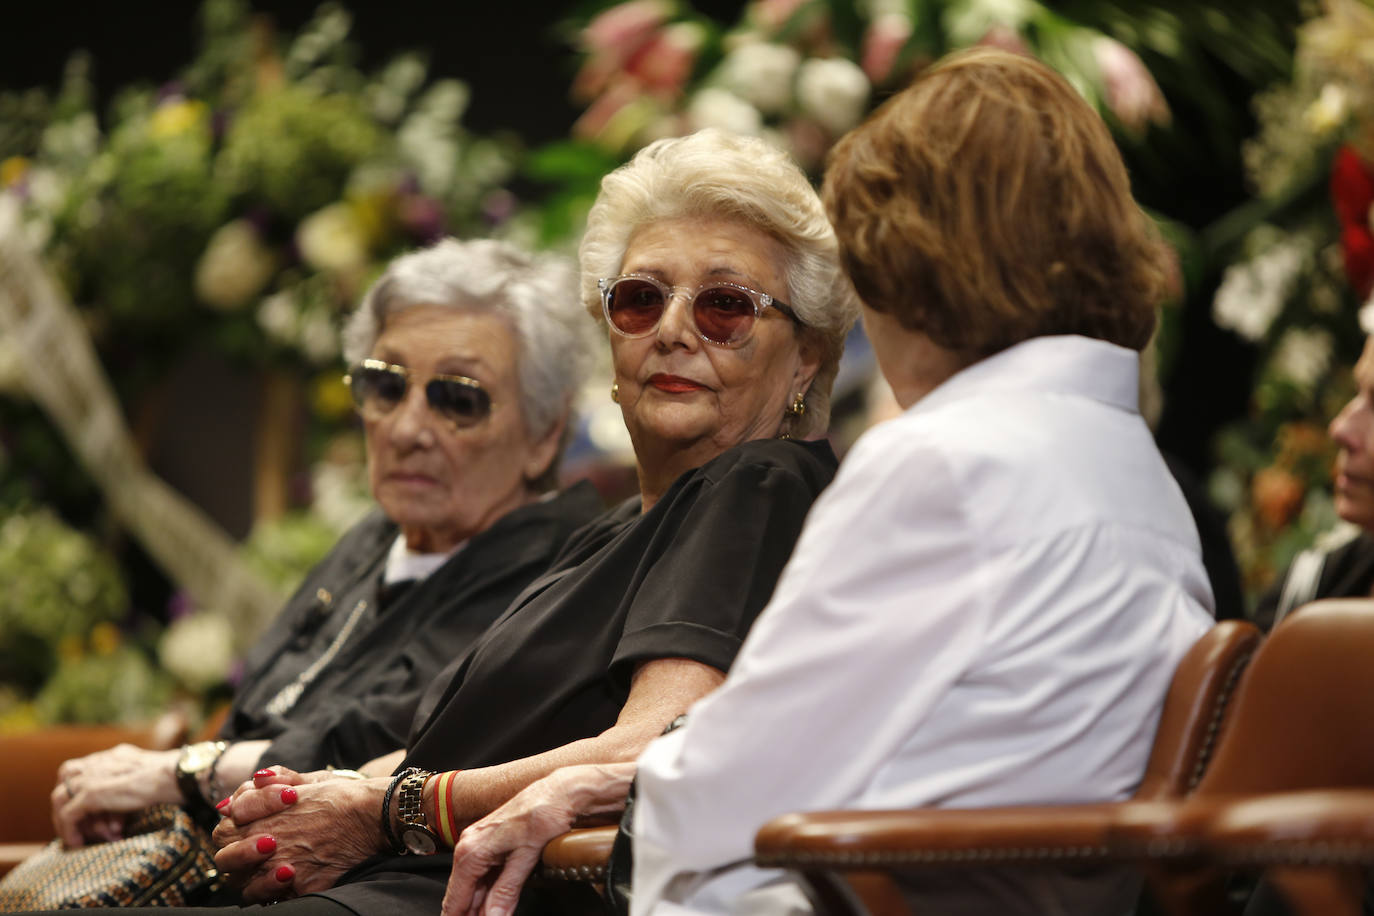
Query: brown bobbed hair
x,y
987,204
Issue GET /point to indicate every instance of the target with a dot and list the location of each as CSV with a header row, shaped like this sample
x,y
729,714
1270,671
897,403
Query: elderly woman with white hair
x,y
711,264
465,361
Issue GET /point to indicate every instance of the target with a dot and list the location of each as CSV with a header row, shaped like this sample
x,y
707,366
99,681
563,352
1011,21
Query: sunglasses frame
x,y
759,300
405,374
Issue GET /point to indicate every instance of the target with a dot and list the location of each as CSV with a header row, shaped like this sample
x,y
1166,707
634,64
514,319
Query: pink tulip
x,y
663,63
620,30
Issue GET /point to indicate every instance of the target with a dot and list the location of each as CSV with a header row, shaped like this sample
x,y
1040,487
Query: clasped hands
x,y
283,833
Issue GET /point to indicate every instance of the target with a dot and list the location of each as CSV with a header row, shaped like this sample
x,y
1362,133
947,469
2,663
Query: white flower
x,y
278,318
235,266
761,73
1252,293
1303,355
1328,111
319,340
721,108
833,91
198,649
333,240
341,496
1366,315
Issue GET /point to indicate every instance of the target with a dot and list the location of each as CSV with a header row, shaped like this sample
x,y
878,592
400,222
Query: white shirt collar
x,y
1064,364
402,563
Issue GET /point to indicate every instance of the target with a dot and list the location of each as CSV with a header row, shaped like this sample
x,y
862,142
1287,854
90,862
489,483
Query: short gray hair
x,y
535,292
719,175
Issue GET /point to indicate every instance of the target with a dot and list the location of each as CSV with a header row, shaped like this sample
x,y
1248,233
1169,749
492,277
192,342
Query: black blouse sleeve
x,y
717,554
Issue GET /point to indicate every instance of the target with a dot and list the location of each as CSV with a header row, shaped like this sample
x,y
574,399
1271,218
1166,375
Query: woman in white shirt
x,y
987,605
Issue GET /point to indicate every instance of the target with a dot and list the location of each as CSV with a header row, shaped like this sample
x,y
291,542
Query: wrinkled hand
x,y
495,855
94,793
281,840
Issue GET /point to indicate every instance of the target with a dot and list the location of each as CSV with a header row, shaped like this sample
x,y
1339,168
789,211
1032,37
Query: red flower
x,y
1352,187
1357,243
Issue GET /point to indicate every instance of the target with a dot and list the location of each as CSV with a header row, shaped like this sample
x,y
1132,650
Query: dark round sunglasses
x,y
377,388
722,313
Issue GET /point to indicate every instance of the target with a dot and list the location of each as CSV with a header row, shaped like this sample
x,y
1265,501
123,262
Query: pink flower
x,y
884,41
663,63
620,30
1132,93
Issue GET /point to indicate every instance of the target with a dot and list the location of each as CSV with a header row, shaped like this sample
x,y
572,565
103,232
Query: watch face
x,y
198,757
420,842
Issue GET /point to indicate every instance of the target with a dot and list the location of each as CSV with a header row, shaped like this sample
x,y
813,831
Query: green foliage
x,y
58,585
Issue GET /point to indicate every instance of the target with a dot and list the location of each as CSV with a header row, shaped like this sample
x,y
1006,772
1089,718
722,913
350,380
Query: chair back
x,y
1302,717
1196,708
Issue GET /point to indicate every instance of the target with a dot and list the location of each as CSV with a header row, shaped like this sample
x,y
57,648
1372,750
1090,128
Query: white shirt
x,y
402,563
986,607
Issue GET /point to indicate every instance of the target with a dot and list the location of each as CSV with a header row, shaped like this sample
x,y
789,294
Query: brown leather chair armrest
x,y
579,855
936,837
1314,827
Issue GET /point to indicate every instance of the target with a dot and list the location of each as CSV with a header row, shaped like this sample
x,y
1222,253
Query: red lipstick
x,y
674,384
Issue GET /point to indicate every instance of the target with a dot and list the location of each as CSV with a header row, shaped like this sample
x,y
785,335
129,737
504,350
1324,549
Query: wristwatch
x,y
194,760
416,836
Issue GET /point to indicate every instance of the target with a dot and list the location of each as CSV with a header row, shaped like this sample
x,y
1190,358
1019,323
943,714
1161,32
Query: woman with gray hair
x,y
459,462
710,263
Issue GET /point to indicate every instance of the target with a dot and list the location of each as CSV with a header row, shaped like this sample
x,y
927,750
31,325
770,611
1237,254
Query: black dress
x,y
360,705
685,580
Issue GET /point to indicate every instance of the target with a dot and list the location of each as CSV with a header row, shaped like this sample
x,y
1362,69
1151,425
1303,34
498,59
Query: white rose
x,y
723,109
761,74
833,91
1252,293
234,267
198,649
333,240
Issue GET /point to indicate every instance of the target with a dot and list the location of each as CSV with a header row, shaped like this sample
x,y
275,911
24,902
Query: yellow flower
x,y
104,638
12,170
177,118
1328,111
330,397
70,648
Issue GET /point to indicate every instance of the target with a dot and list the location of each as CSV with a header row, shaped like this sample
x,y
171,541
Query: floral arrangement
x,y
803,72
1303,269
249,200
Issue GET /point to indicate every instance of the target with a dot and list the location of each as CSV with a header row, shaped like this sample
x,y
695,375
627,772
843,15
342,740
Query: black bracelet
x,y
391,836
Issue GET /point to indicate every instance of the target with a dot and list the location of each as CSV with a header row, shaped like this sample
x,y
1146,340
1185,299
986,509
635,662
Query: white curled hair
x,y
537,295
717,175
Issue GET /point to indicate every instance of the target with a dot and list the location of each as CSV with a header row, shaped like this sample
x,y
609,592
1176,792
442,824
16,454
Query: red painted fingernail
x,y
288,796
266,844
263,774
285,873
224,803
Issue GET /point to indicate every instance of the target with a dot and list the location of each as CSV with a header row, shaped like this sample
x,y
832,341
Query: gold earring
x,y
615,392
798,408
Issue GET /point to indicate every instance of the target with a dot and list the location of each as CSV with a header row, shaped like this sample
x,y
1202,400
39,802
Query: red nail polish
x,y
263,774
224,803
288,796
285,873
266,844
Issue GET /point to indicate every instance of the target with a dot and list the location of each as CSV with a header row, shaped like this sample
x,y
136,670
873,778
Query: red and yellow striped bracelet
x,y
443,803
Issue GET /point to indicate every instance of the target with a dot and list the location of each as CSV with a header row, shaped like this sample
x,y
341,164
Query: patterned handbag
x,y
165,860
